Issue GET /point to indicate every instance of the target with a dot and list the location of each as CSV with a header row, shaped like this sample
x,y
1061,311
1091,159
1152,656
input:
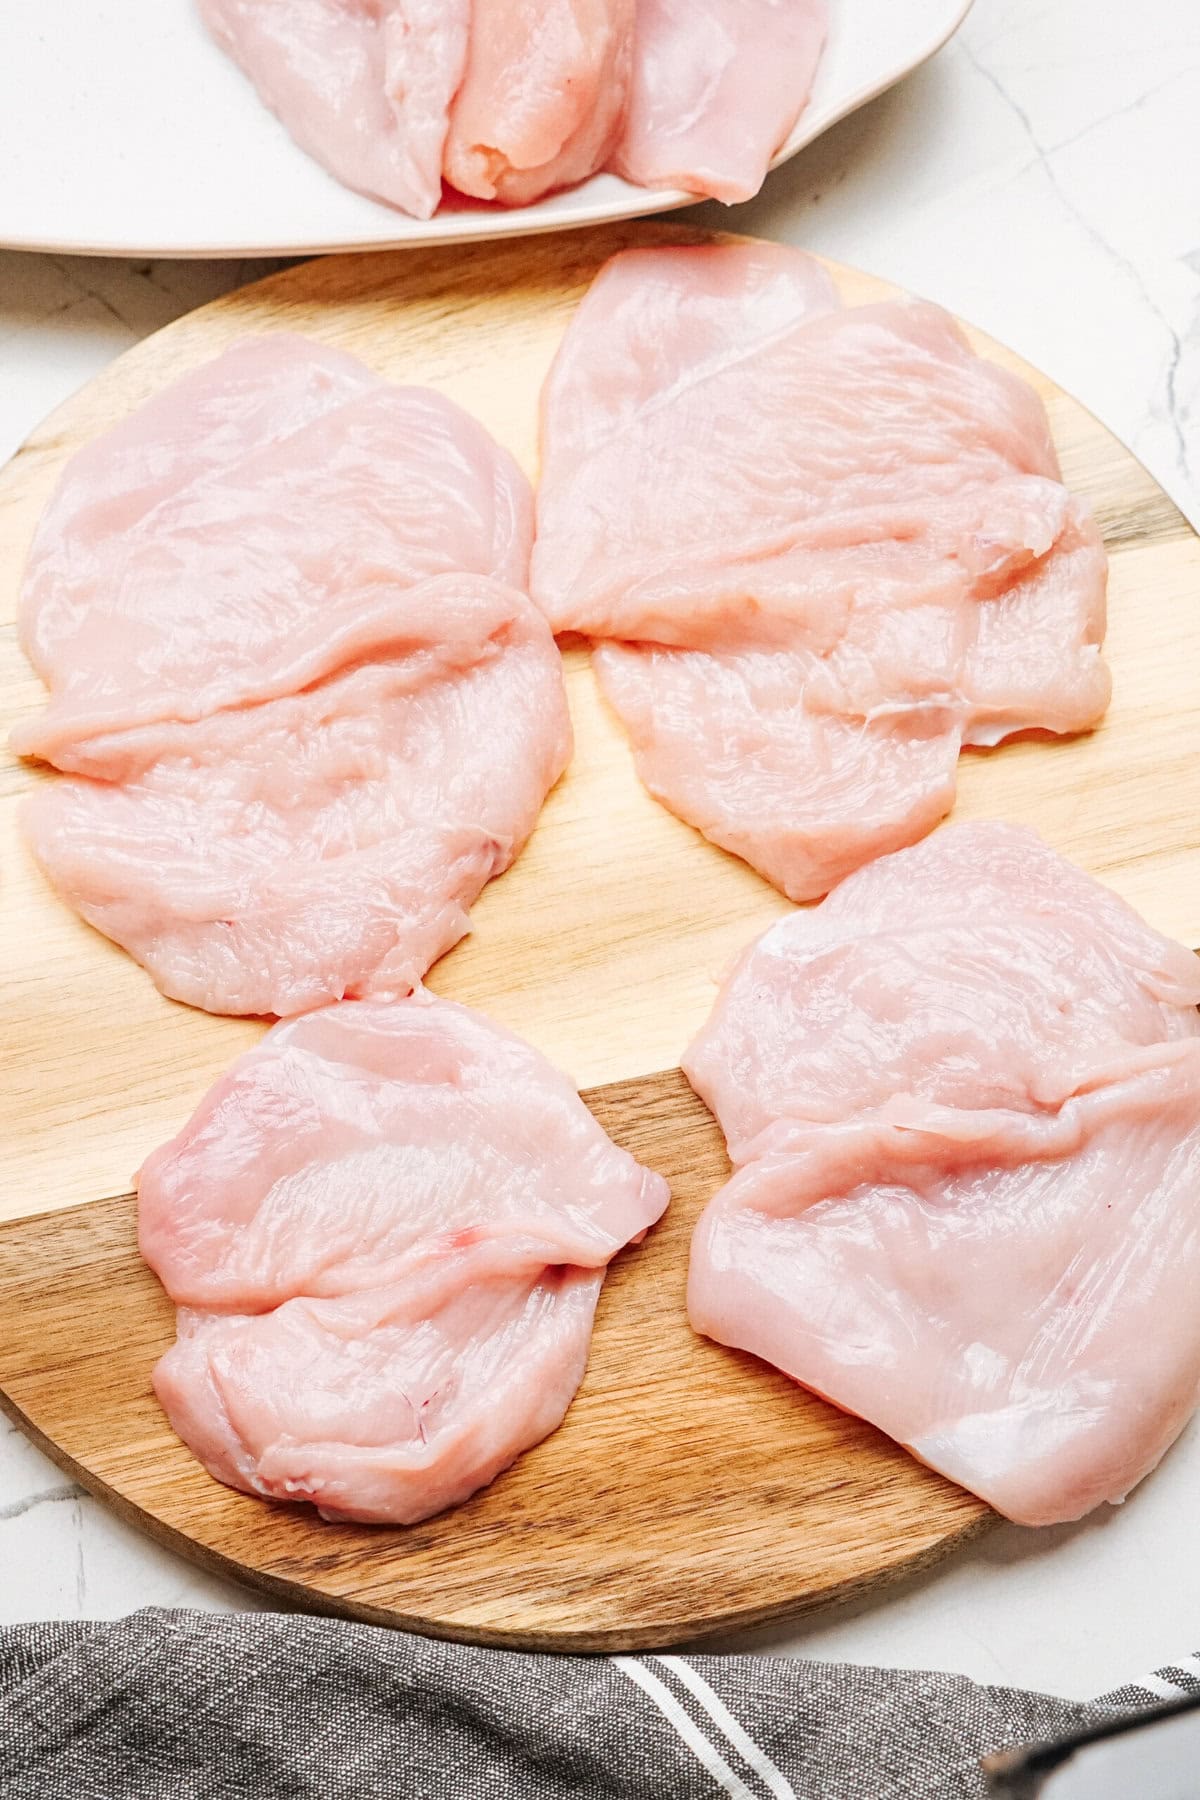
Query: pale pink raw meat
x,y
300,741
964,1095
328,1160
716,90
657,347
249,530
328,843
387,1228
974,969
724,739
851,528
364,86
777,461
1010,1297
384,1406
543,96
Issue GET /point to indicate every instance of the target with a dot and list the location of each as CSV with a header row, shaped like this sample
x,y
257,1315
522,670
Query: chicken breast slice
x,y
383,1407
305,715
963,1098
542,98
725,739
716,91
977,968
329,843
807,535
1007,1295
364,86
386,1229
365,1143
247,531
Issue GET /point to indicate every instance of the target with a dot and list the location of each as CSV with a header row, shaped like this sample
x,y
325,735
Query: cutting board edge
x,y
1142,522
632,1637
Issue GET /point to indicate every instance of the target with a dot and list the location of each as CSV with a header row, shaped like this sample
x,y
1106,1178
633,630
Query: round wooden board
x,y
690,1489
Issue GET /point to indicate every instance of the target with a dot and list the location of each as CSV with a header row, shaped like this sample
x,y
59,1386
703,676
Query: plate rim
x,y
488,225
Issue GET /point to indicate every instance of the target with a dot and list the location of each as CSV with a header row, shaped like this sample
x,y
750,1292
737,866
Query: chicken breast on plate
x,y
364,86
716,90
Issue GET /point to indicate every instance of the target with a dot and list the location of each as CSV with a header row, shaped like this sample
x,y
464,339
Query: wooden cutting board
x,y
691,1489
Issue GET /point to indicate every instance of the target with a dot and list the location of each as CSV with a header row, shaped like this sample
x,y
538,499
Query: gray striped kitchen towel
x,y
187,1706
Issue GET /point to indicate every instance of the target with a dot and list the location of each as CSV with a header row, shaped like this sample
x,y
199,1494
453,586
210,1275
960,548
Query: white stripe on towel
x,y
693,1737
723,1719
1154,1684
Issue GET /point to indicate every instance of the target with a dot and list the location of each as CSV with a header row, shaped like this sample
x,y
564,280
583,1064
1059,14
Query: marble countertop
x,y
1041,177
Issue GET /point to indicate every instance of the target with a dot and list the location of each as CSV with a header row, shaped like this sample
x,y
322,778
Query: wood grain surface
x,y
691,1488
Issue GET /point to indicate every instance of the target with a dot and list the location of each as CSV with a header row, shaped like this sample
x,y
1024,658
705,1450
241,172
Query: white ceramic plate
x,y
124,131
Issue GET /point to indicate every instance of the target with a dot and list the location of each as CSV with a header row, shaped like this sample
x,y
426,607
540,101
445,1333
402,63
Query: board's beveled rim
x,y
634,1637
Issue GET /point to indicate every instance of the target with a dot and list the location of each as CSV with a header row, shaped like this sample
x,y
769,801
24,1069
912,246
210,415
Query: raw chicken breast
x,y
716,90
363,85
1010,1297
832,544
328,843
300,742
364,1143
964,1095
385,1406
394,1221
657,345
511,99
977,969
249,531
543,96
724,739
790,463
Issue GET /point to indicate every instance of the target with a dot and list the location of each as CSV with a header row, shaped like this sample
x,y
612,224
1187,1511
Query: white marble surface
x,y
1041,177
